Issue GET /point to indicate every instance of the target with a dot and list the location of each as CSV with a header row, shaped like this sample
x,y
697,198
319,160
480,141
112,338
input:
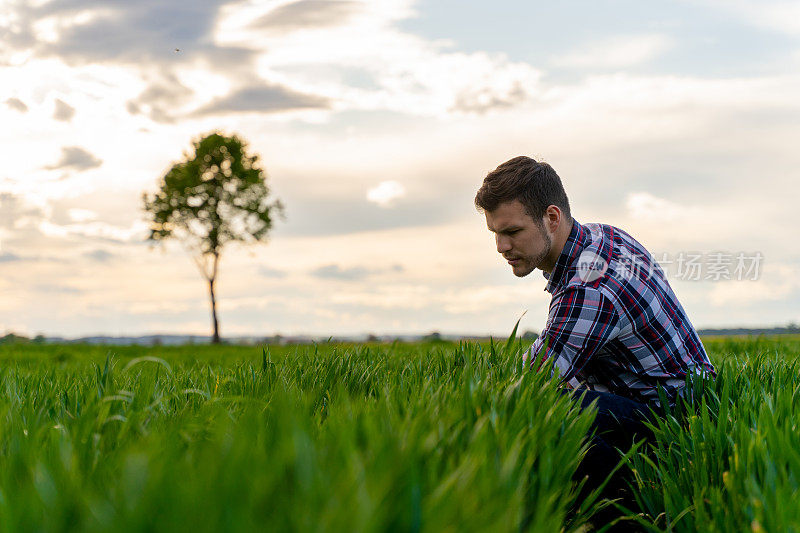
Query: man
x,y
615,329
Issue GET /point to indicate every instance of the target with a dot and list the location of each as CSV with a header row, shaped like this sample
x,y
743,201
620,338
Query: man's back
x,y
615,324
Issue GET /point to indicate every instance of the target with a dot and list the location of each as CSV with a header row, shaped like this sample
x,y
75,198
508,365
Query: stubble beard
x,y
536,261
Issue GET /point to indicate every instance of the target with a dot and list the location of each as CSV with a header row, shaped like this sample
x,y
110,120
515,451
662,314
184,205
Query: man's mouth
x,y
512,260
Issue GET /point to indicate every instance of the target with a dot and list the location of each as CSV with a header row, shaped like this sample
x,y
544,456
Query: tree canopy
x,y
215,196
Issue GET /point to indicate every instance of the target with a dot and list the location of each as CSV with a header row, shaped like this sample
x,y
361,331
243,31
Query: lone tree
x,y
216,196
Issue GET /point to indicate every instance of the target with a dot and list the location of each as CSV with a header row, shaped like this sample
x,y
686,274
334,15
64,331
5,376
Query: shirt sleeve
x,y
580,322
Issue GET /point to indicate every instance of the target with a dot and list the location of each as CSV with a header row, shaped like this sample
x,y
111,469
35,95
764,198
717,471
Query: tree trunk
x,y
215,338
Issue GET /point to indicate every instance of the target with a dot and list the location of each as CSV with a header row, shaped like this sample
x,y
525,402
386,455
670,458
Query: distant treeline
x,y
155,340
13,338
791,328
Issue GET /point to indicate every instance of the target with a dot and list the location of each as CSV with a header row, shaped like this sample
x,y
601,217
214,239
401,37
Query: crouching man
x,y
615,329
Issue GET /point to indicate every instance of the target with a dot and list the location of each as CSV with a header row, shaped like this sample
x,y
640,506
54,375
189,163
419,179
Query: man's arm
x,y
580,322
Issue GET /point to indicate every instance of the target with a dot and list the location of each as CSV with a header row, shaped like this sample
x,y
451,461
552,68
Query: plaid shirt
x,y
614,324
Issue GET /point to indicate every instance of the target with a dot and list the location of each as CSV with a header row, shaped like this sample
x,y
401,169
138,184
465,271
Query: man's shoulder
x,y
612,235
609,258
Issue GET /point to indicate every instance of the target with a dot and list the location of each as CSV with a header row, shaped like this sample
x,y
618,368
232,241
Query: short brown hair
x,y
536,185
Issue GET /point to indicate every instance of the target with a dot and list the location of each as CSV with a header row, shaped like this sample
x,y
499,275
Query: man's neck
x,y
559,241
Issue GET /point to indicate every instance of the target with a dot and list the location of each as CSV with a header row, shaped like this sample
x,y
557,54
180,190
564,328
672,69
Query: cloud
x,y
57,288
308,14
17,105
780,16
336,272
457,301
99,255
429,80
8,257
76,158
777,281
404,73
264,99
268,272
643,205
63,111
314,215
11,257
618,52
142,36
14,212
146,31
97,230
483,99
221,46
81,215
386,193
162,99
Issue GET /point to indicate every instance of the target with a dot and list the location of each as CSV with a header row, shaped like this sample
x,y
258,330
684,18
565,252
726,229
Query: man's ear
x,y
553,217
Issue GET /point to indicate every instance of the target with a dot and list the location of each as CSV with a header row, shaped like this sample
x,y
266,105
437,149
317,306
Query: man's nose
x,y
503,244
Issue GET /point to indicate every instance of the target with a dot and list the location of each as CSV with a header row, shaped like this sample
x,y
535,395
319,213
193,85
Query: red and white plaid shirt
x,y
615,325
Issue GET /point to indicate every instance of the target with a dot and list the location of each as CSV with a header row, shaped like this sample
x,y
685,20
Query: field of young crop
x,y
403,437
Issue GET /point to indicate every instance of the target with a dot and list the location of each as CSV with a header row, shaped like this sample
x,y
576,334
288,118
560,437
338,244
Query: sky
x,y
375,122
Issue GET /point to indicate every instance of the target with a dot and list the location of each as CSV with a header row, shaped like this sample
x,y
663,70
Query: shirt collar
x,y
576,242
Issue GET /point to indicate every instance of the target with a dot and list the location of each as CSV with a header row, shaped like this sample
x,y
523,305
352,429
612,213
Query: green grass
x,y
730,459
402,437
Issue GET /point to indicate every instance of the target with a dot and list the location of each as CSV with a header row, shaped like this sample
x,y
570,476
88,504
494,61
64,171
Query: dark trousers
x,y
619,423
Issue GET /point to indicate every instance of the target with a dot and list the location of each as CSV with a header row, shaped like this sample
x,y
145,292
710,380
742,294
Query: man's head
x,y
527,209
536,186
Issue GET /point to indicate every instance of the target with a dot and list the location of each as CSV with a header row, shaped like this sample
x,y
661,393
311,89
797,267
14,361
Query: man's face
x,y
522,242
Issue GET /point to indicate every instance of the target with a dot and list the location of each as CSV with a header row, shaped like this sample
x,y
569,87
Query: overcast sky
x,y
376,122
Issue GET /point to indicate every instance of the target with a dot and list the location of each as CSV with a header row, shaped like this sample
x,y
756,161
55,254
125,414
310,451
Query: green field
x,y
402,437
